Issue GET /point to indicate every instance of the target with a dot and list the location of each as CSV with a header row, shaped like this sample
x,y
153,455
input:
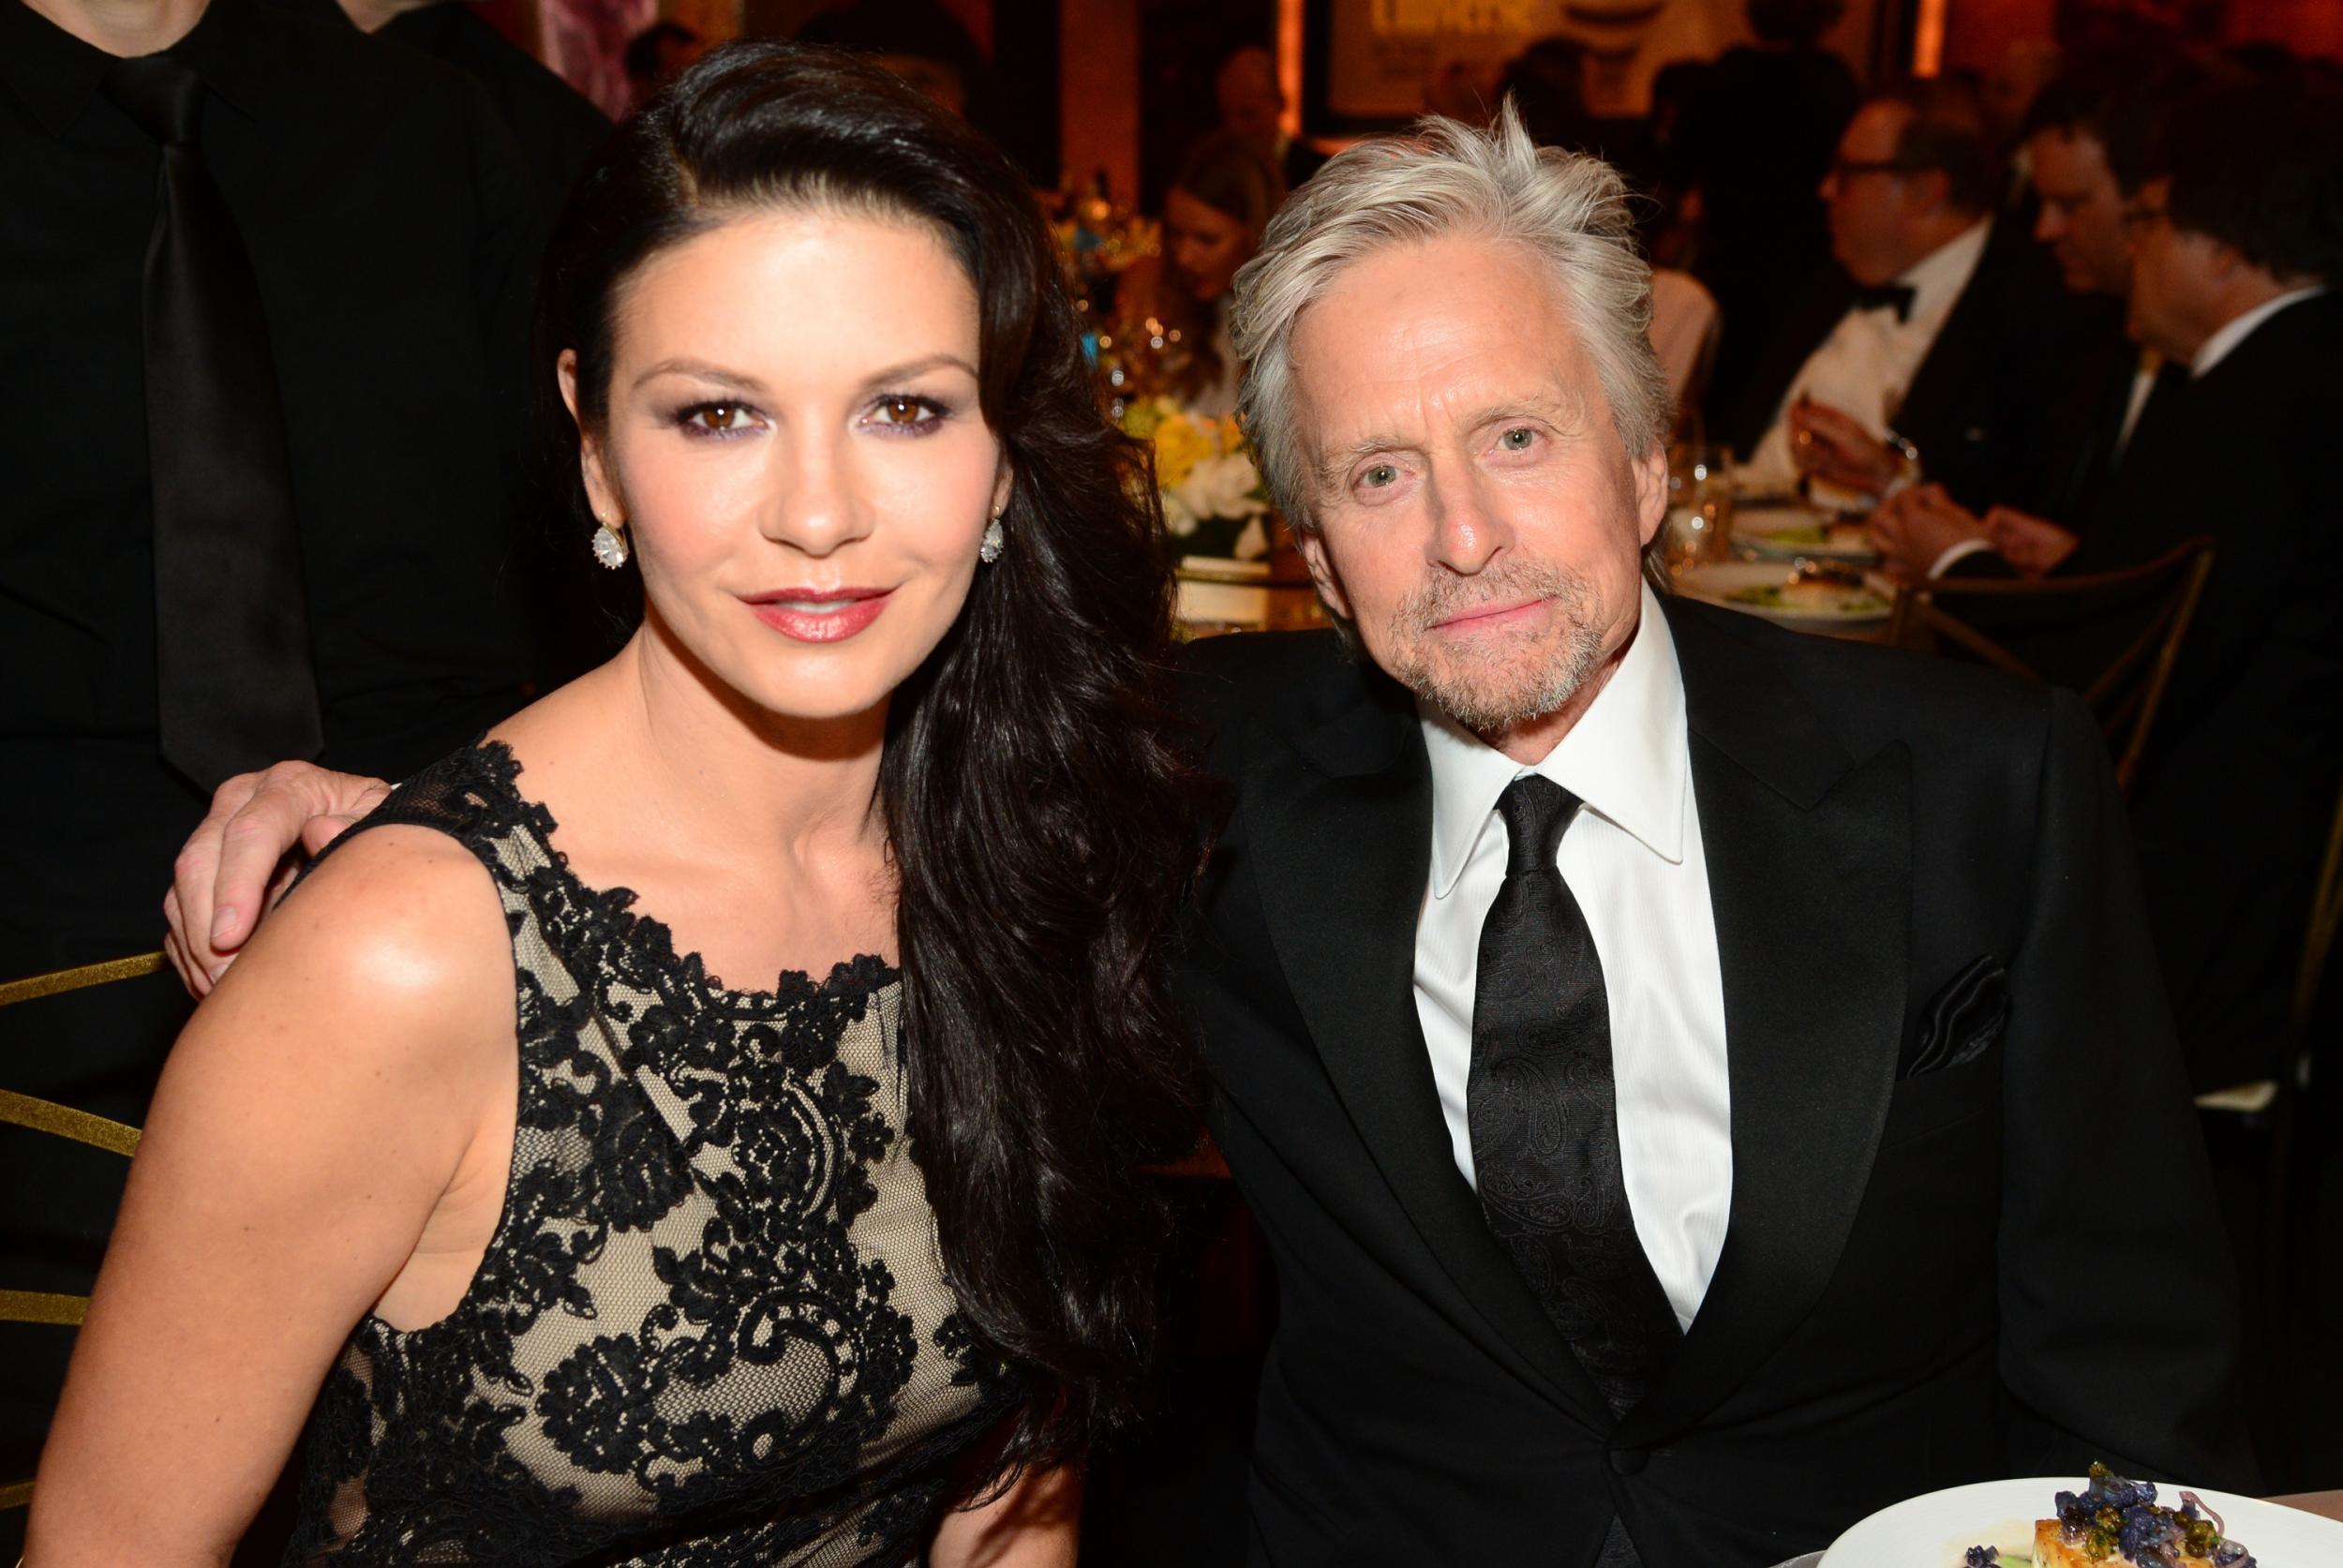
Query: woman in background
x,y
566,1250
1212,218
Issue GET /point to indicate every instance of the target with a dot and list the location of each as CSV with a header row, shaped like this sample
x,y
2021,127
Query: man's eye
x,y
1380,475
1517,440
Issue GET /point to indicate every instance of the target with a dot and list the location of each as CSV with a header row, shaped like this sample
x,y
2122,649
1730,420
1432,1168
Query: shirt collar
x,y
1937,279
55,74
2219,346
1627,757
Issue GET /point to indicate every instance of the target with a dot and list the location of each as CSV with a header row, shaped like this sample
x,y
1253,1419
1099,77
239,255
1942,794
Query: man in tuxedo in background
x,y
2091,138
1958,329
2233,246
1699,1084
262,324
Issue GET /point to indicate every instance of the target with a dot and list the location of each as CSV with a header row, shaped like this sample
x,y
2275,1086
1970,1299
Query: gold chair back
x,y
62,1121
2128,691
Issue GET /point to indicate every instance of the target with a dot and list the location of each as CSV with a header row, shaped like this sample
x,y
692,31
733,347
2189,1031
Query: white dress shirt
x,y
1866,365
2216,347
1633,860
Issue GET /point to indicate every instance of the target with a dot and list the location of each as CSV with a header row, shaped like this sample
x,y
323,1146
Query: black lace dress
x,y
712,1328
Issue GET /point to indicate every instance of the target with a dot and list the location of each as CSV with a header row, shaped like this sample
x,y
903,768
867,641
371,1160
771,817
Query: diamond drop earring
x,y
995,541
610,547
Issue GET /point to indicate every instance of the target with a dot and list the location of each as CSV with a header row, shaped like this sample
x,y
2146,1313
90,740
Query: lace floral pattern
x,y
712,1327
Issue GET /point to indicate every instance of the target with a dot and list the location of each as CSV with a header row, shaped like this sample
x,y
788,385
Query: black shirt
x,y
391,227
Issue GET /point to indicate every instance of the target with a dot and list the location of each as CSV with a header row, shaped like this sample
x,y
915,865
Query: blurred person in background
x,y
2023,69
1757,138
262,296
2233,246
1213,216
1547,82
2092,139
1252,106
658,55
1958,337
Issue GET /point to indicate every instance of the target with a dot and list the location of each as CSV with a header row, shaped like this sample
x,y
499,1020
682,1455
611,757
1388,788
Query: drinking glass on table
x,y
1700,504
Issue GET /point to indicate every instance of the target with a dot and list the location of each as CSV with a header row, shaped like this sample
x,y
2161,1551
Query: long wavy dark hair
x,y
1043,825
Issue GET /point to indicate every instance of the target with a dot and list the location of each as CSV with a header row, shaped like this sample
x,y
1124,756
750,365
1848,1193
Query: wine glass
x,y
1699,520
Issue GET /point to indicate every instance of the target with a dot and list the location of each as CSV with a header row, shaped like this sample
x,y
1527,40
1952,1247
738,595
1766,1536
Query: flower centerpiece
x,y
1213,501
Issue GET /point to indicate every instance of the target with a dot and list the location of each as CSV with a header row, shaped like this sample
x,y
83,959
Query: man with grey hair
x,y
1700,1084
1681,1068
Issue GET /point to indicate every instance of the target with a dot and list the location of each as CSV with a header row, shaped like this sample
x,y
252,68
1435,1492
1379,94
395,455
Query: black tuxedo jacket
x,y
2003,399
1963,1151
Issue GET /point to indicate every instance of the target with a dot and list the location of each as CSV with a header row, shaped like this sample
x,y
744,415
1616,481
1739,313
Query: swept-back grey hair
x,y
1445,179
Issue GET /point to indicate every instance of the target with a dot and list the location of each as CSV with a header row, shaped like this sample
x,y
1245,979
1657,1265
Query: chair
x,y
61,1121
2303,1126
2149,606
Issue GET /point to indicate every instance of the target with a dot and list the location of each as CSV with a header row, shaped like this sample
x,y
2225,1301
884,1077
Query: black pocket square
x,y
1965,1018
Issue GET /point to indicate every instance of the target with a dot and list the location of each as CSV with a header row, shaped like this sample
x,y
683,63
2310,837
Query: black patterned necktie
x,y
1542,1107
235,686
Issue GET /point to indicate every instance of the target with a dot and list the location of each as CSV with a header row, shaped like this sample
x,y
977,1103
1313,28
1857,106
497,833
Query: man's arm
x,y
2120,1333
243,855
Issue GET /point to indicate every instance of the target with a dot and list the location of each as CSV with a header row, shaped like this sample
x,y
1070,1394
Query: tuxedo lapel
x,y
1808,855
1340,817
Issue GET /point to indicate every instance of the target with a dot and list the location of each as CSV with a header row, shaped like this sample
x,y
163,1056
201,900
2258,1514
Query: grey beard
x,y
1480,688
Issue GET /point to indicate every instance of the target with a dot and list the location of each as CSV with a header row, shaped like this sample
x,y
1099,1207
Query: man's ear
x,y
1312,543
1651,493
602,494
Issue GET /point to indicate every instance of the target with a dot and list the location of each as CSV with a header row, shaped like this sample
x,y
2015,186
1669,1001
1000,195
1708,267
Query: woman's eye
x,y
718,418
1519,438
902,410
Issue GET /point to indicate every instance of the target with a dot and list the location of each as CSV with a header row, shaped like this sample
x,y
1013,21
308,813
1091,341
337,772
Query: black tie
x,y
1897,297
1544,1110
234,684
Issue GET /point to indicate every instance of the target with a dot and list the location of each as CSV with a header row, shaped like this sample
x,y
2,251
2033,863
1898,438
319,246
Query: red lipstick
x,y
819,614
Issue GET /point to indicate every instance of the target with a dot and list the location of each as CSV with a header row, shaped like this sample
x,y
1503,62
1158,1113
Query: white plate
x,y
1933,1531
1760,527
1717,584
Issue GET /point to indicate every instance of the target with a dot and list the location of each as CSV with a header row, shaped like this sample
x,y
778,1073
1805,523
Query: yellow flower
x,y
1180,443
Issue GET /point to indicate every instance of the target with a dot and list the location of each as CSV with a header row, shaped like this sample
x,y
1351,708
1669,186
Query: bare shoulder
x,y
397,943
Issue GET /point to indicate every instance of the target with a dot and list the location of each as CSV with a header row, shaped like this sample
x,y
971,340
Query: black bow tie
x,y
1897,297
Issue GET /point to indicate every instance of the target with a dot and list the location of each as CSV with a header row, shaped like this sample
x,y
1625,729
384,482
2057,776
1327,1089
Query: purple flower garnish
x,y
1981,1557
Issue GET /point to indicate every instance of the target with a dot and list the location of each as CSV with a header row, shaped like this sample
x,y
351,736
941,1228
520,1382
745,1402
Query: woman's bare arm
x,y
1036,1524
316,1114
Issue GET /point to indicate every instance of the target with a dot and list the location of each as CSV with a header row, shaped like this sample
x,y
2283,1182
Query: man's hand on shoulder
x,y
261,829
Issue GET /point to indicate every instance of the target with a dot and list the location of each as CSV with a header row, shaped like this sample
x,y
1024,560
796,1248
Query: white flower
x,y
1252,544
1178,519
1223,486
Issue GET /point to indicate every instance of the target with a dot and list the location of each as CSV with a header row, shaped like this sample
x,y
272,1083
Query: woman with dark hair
x,y
1213,218
581,1253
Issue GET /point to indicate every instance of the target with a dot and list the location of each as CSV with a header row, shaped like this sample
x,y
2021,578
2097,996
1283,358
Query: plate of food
x,y
1787,532
1790,595
2102,1522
